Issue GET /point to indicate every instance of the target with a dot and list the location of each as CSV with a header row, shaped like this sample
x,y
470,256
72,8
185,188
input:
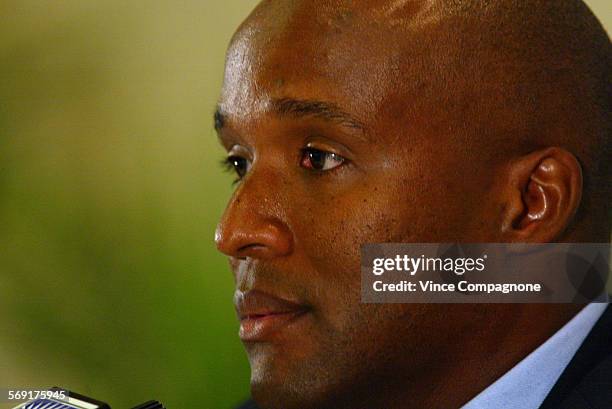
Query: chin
x,y
286,384
272,393
273,386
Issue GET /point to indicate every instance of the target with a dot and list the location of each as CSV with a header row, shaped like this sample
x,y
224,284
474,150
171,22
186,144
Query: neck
x,y
475,362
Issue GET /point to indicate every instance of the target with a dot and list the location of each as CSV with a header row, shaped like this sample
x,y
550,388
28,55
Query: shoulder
x,y
587,380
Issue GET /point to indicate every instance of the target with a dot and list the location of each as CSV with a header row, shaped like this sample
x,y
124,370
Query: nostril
x,y
251,249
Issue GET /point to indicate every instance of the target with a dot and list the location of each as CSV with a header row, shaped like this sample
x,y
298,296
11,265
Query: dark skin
x,y
359,123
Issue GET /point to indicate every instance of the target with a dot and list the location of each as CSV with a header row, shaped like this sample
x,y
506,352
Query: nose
x,y
249,227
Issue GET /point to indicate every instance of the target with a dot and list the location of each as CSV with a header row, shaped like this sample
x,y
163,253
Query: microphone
x,y
152,404
59,398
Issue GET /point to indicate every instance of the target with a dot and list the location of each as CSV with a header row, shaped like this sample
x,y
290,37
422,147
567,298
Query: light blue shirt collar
x,y
528,383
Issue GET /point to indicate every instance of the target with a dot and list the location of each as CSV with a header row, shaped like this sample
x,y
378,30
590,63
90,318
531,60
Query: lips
x,y
262,316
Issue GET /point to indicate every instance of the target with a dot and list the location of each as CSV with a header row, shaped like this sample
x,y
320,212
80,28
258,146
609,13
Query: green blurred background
x,y
110,190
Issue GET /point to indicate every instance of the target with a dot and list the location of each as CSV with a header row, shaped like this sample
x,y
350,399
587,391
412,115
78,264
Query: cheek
x,y
401,206
330,230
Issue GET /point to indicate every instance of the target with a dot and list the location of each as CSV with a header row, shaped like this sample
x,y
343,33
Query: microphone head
x,y
59,398
152,404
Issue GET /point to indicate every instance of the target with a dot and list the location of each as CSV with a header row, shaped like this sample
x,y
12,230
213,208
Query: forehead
x,y
318,50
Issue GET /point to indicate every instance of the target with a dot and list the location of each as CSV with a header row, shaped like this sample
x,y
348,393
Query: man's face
x,y
332,152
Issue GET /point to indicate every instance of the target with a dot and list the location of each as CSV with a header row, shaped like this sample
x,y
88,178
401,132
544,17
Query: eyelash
x,y
228,166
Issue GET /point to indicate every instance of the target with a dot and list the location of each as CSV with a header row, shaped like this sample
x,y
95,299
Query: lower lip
x,y
263,327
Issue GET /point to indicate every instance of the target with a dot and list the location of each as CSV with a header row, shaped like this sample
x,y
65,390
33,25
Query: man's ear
x,y
541,196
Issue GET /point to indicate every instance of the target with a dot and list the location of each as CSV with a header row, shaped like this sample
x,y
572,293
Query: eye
x,y
239,164
316,159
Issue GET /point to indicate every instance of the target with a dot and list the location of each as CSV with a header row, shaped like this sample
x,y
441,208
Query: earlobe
x,y
543,194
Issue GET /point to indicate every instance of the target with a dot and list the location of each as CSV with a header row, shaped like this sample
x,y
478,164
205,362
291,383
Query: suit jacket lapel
x,y
587,380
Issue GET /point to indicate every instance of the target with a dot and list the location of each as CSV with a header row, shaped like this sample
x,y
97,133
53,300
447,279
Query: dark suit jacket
x,y
586,383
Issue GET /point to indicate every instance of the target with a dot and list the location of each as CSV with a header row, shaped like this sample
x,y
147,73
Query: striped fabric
x,y
46,404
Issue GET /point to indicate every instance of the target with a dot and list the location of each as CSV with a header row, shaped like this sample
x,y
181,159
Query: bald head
x,y
496,77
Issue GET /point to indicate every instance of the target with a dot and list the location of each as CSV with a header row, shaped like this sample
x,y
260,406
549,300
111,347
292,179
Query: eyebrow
x,y
299,108
219,119
319,109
